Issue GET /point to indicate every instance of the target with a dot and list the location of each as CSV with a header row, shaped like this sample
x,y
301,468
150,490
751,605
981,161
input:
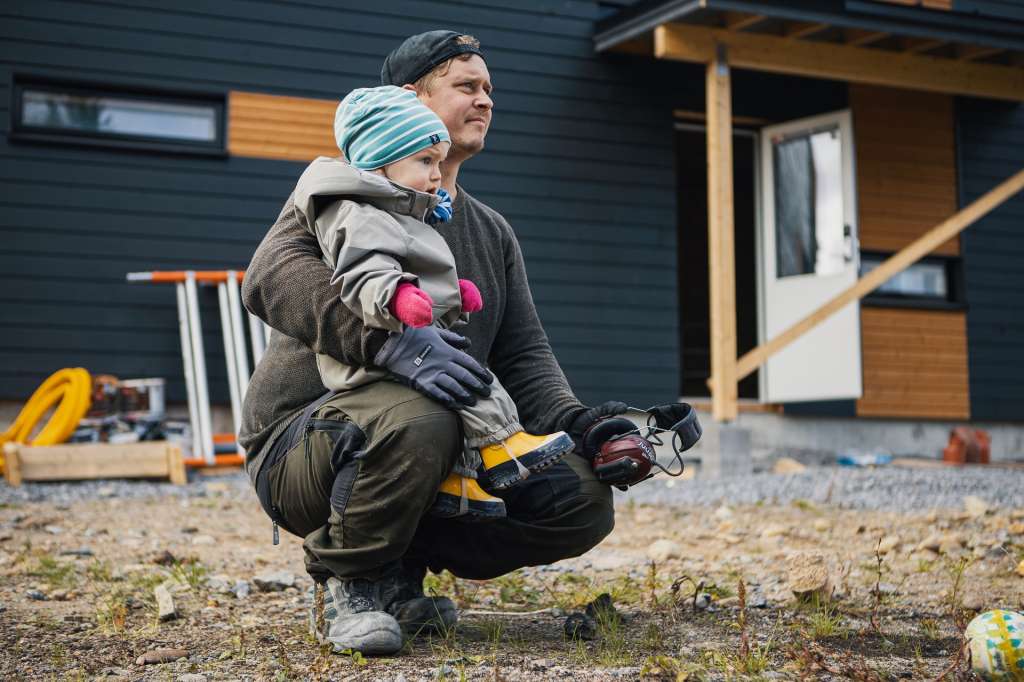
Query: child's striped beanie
x,y
378,126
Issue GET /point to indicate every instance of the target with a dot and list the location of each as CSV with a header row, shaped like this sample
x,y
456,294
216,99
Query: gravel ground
x,y
886,488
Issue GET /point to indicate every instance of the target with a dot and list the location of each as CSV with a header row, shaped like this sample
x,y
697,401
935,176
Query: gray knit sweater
x,y
288,286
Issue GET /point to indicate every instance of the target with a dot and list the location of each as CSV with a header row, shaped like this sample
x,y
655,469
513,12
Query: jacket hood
x,y
327,177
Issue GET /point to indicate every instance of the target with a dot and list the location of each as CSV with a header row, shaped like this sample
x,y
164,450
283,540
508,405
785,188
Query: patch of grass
x,y
925,565
827,622
112,613
189,572
55,573
99,571
930,628
670,668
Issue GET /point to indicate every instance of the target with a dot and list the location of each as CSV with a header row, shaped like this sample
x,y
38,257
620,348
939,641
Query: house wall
x,y
990,138
579,160
914,361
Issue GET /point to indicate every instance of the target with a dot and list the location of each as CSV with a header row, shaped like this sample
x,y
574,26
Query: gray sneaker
x,y
402,596
353,618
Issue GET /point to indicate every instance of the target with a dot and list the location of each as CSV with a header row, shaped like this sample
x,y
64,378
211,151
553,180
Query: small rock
x,y
931,543
81,551
1016,528
730,539
822,525
974,602
602,609
60,595
888,544
951,542
189,530
663,550
53,530
164,603
114,672
192,677
241,589
219,583
160,656
580,626
198,540
217,487
887,588
788,465
276,581
36,595
723,513
1020,569
774,530
703,601
603,560
975,506
808,575
164,558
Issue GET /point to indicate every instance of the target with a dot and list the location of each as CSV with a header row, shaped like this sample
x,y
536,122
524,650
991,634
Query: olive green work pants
x,y
359,480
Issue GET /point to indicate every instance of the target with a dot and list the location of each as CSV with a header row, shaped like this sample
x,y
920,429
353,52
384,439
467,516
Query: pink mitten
x,y
412,305
472,301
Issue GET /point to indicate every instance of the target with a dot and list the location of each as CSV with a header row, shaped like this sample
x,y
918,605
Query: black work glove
x,y
431,361
590,416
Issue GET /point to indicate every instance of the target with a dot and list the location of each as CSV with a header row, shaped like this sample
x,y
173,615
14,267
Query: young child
x,y
395,269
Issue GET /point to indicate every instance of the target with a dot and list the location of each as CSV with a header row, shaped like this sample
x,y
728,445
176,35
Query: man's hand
x,y
590,416
431,361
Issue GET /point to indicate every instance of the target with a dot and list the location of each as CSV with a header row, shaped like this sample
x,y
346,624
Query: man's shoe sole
x,y
373,633
507,474
426,614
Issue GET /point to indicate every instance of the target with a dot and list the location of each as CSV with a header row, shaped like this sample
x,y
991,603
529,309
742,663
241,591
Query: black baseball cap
x,y
420,53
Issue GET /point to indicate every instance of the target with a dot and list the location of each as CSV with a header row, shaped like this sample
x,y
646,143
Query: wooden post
x,y
721,258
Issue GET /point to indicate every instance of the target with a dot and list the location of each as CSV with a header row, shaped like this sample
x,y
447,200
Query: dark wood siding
x,y
579,160
1003,9
991,148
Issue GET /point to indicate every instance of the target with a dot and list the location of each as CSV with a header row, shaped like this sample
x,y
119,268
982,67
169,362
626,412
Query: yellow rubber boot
x,y
513,459
460,496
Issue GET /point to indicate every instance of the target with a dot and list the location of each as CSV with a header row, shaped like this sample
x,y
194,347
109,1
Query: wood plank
x,y
278,127
721,256
801,29
738,21
906,180
156,459
900,261
839,62
859,37
915,363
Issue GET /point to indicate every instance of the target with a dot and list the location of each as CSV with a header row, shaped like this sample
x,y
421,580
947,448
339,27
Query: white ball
x,y
996,641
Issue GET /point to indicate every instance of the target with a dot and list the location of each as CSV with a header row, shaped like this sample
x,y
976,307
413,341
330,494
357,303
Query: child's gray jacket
x,y
373,235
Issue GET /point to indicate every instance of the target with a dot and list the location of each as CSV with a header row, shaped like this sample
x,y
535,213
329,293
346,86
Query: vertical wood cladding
x,y
991,141
915,362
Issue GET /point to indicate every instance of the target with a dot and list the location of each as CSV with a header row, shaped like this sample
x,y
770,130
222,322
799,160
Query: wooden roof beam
x,y
798,30
858,37
839,62
918,45
738,21
970,53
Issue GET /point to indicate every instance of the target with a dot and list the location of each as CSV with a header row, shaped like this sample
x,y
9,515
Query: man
x,y
355,472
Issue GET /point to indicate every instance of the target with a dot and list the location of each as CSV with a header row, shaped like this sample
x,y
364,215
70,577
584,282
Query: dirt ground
x,y
901,588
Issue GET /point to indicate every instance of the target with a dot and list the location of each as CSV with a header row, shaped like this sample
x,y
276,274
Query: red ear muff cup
x,y
624,461
598,434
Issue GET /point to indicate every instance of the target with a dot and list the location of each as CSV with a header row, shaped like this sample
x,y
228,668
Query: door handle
x,y
849,244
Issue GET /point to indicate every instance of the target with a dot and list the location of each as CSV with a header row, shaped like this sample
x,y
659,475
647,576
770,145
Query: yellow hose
x,y
72,389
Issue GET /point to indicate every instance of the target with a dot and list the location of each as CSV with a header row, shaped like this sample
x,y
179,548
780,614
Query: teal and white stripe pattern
x,y
378,126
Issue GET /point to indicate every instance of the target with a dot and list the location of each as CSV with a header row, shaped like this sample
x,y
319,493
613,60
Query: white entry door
x,y
808,254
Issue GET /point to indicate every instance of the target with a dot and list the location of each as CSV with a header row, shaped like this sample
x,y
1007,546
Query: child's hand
x,y
412,305
472,301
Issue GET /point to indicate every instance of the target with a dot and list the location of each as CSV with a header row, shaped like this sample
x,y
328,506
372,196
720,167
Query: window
x,y
931,282
77,113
